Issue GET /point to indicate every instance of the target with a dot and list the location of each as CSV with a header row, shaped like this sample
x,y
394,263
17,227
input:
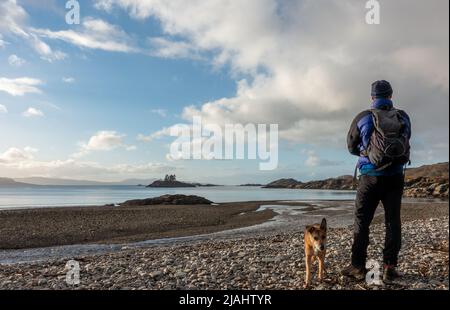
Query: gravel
x,y
266,261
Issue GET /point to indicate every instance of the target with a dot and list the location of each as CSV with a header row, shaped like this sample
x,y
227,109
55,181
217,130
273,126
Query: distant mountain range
x,y
7,182
42,181
68,182
425,181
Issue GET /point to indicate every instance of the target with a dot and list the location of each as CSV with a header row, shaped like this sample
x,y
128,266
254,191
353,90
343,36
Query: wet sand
x,y
268,255
48,227
44,227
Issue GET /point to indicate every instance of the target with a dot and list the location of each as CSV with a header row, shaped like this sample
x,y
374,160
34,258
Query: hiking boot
x,y
390,273
354,272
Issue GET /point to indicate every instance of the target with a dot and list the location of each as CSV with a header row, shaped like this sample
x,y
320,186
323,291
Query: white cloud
x,y
69,80
2,43
94,34
15,155
424,62
16,61
152,136
165,48
161,133
13,18
20,86
105,5
21,162
313,160
300,74
3,109
131,148
160,112
103,141
14,23
33,112
44,50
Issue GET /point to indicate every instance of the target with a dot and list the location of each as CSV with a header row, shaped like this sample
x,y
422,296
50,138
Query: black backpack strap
x,y
355,176
383,167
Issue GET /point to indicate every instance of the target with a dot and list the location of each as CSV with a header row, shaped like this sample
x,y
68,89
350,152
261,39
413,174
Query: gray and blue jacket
x,y
359,135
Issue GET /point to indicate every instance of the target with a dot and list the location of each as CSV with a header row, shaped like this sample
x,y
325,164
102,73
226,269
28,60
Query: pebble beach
x,y
270,259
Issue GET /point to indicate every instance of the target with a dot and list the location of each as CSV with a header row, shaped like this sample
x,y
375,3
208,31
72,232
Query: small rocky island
x,y
170,181
168,200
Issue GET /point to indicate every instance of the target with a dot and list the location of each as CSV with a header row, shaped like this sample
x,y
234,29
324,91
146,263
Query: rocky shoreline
x,y
272,260
424,187
429,181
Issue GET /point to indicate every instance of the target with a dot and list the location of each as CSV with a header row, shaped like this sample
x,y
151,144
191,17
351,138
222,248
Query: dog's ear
x,y
323,225
310,229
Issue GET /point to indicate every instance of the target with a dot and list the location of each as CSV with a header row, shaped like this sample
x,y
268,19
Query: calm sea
x,y
45,196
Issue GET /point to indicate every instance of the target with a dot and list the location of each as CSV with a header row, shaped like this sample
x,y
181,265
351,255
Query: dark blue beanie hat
x,y
381,89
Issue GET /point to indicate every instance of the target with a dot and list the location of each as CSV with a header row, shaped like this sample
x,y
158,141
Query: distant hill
x,y
283,183
424,181
339,183
439,170
70,182
6,182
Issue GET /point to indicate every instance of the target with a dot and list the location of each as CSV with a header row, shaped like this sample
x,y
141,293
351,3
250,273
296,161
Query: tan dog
x,y
315,247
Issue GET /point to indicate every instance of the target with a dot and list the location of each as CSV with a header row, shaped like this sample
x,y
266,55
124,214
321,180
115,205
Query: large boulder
x,y
169,200
440,190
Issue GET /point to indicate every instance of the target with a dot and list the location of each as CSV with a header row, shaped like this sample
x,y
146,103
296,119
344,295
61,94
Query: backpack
x,y
389,144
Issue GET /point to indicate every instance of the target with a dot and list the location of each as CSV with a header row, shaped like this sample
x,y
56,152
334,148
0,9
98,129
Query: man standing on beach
x,y
380,137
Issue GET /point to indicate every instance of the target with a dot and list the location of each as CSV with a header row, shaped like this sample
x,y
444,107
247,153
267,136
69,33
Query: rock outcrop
x,y
169,200
427,181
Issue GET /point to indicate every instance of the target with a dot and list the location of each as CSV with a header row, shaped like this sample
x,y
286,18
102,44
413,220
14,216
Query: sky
x,y
97,100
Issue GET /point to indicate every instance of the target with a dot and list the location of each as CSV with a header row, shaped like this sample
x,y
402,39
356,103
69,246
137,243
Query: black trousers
x,y
372,190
